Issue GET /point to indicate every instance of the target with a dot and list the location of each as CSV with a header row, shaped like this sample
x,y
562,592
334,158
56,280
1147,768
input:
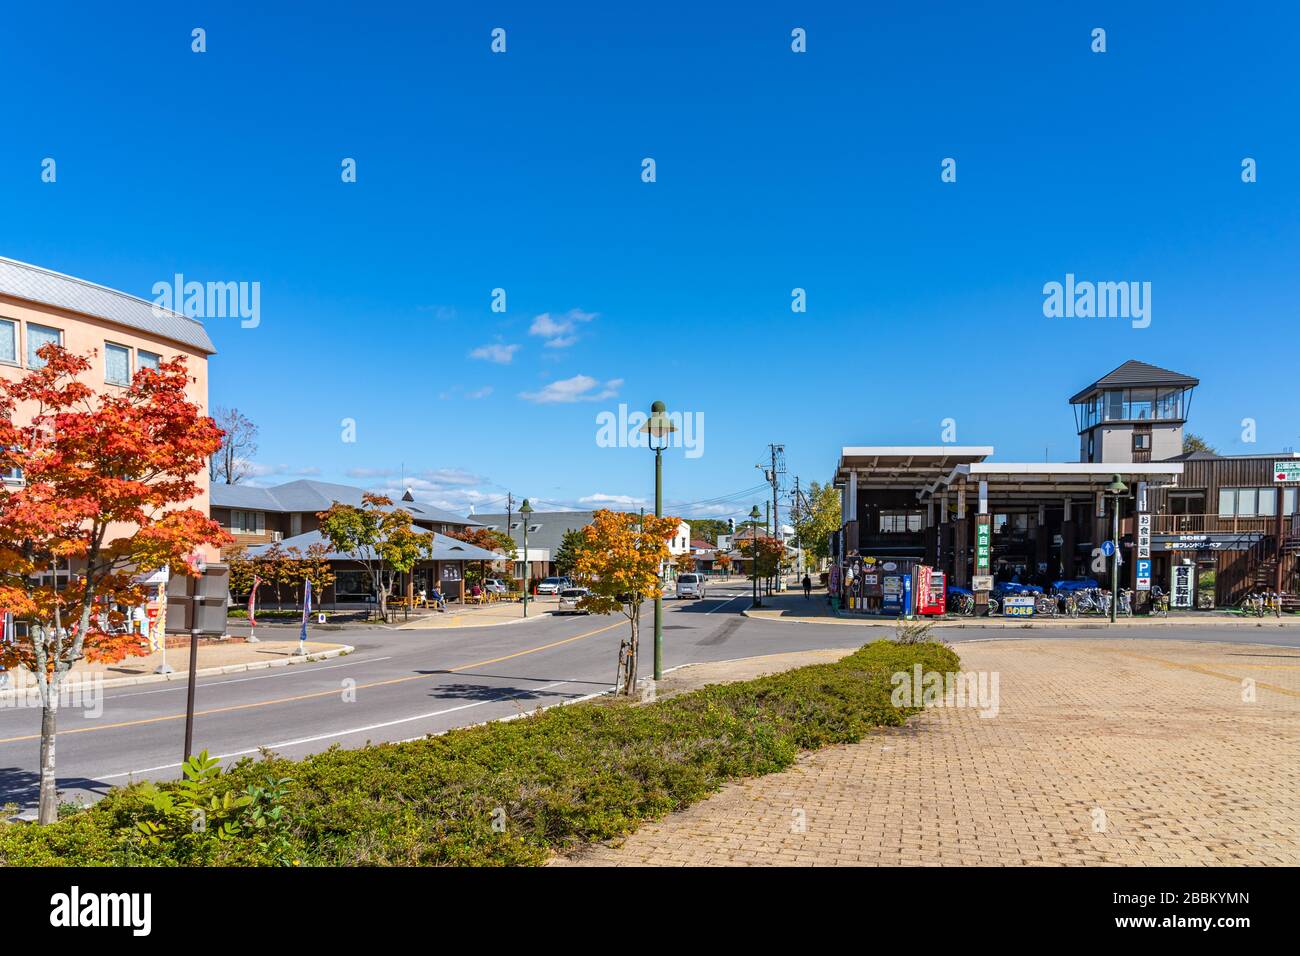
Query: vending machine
x,y
931,589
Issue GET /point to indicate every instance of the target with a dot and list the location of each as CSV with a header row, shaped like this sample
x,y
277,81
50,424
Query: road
x,y
401,684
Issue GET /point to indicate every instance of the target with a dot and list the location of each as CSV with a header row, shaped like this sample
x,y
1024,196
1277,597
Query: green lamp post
x,y
658,429
1116,489
753,550
525,510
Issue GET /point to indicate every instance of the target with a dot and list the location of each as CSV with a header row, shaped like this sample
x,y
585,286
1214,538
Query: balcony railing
x,y
1220,524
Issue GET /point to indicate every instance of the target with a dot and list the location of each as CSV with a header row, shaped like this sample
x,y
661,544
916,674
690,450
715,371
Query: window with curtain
x,y
1267,502
1227,502
8,342
39,336
1289,501
148,359
1247,502
117,364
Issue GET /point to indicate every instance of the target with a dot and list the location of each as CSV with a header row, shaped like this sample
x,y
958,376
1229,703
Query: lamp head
x,y
525,508
658,427
1117,487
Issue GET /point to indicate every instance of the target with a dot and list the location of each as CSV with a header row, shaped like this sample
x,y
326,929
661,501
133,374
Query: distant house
x,y
546,531
256,516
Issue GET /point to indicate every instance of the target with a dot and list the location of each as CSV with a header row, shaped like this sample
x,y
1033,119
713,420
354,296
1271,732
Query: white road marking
x,y
723,604
343,733
286,672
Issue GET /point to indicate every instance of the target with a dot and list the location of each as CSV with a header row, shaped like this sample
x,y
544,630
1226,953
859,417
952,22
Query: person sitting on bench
x,y
438,600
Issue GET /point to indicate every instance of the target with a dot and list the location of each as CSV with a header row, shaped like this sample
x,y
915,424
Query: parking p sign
x,y
1144,574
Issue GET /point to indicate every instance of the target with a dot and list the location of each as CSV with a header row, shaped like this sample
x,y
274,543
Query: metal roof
x,y
545,528
444,548
306,495
1137,373
892,465
35,284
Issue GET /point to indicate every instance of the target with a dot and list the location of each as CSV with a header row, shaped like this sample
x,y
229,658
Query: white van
x,y
690,585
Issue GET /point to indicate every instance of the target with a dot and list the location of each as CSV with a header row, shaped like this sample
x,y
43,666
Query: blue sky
x,y
775,171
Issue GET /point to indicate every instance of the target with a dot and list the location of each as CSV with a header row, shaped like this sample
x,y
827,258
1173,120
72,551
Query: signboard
x,y
1144,574
1144,536
983,543
1284,471
1210,541
1182,586
1018,605
982,582
1108,548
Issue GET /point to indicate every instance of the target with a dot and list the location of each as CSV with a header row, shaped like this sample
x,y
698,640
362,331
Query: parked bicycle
x,y
1159,602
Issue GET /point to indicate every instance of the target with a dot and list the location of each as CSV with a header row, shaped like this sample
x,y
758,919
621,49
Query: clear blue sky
x,y
775,171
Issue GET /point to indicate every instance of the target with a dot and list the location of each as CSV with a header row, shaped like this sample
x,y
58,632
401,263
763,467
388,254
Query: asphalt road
x,y
408,683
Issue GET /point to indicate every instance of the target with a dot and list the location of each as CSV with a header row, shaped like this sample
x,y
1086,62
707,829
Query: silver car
x,y
690,585
569,599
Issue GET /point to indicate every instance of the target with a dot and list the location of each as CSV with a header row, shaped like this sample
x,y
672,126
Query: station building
x,y
1229,525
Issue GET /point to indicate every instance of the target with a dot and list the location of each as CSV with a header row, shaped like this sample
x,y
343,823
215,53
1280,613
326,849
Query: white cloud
x,y
580,388
603,499
501,354
559,331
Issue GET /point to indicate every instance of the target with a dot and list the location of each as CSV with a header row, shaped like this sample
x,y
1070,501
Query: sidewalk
x,y
484,615
1101,753
214,658
796,608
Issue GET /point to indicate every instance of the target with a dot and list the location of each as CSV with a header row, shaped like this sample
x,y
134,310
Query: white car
x,y
569,598
690,585
495,586
552,585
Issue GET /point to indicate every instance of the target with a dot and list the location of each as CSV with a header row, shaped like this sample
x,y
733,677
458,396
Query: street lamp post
x,y
1116,489
753,551
525,510
658,429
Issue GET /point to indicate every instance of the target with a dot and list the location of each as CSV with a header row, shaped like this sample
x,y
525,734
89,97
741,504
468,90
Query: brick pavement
x,y
1103,752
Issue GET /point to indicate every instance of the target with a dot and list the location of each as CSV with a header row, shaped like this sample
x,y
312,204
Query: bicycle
x,y
1159,602
1046,604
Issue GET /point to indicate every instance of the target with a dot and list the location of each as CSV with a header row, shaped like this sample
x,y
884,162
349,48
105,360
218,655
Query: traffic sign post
x,y
200,609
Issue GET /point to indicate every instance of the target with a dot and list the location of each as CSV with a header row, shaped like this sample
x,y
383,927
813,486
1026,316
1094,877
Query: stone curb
x,y
337,651
1072,623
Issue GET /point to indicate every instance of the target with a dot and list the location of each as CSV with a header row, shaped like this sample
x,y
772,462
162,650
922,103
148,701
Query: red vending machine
x,y
931,589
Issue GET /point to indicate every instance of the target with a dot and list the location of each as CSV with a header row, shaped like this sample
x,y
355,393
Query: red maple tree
x,y
103,478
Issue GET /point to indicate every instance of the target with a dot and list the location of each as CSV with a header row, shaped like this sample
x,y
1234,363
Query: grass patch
x,y
505,793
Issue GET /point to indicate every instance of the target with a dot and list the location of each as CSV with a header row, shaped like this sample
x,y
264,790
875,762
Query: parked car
x,y
553,585
495,586
569,598
690,585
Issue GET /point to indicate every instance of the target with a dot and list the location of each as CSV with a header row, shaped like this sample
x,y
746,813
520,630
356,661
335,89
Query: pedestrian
x,y
807,586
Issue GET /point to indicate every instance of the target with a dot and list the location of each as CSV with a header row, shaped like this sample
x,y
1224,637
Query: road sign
x,y
1144,574
1108,548
1284,471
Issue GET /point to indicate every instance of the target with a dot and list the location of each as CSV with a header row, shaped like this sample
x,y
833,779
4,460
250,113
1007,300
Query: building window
x,y
39,336
117,364
1227,502
1141,403
1289,501
1267,502
247,522
148,360
8,342
1141,441
11,476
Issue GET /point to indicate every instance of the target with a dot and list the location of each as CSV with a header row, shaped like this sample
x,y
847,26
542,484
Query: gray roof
x,y
1137,373
312,496
24,281
545,528
444,548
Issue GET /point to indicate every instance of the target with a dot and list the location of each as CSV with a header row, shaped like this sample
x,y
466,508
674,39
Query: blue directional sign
x,y
1108,548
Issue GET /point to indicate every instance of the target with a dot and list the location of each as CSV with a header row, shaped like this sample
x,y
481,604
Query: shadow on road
x,y
23,787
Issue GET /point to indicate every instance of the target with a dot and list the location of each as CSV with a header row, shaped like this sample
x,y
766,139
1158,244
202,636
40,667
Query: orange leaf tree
x,y
377,536
620,560
104,477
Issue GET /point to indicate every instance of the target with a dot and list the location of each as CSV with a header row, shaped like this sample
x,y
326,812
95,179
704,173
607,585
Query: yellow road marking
x,y
1200,669
319,693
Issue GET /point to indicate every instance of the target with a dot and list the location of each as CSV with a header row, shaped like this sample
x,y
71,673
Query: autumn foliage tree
x,y
105,476
619,560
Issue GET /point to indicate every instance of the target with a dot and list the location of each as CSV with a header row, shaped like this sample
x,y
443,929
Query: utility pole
x,y
510,507
773,476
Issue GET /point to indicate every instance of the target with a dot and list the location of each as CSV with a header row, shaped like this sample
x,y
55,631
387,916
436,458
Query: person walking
x,y
807,586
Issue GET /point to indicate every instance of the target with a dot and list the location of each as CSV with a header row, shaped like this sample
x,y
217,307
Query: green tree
x,y
707,529
566,556
815,522
1193,442
378,537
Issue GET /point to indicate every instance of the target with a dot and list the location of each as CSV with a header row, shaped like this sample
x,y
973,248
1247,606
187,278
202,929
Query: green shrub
x,y
505,793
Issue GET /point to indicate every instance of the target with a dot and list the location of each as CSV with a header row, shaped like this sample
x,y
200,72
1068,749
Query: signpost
x,y
1143,574
197,606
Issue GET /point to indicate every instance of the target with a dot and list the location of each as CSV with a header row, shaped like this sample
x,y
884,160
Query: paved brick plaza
x,y
1149,739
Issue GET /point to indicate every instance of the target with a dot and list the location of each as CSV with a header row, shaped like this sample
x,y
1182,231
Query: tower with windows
x,y
1134,414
